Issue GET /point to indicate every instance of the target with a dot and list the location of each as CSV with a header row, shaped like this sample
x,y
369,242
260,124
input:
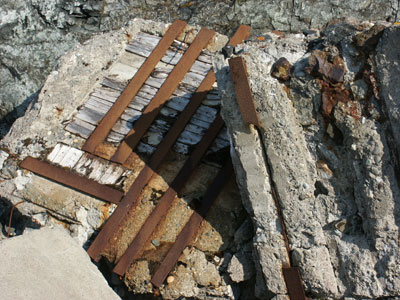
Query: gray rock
x,y
335,179
29,30
48,264
386,62
241,266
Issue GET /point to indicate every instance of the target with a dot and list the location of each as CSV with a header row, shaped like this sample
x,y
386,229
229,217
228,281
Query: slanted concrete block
x,y
48,264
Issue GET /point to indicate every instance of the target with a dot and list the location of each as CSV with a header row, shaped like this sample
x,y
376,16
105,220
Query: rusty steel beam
x,y
164,93
102,130
165,202
190,229
242,33
130,200
80,183
243,92
294,284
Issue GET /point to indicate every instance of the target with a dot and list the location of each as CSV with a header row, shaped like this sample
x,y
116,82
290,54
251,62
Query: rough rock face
x,y
327,148
35,34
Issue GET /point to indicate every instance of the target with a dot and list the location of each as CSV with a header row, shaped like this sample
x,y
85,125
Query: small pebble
x,y
170,279
49,133
156,243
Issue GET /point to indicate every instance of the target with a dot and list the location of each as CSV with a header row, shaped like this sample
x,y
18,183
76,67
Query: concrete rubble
x,y
30,29
327,146
331,159
49,264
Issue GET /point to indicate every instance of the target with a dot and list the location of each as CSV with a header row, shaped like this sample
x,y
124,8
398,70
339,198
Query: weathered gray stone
x,y
48,264
387,67
30,29
241,266
335,179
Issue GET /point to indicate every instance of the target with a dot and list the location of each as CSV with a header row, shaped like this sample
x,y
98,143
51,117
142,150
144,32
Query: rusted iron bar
x,y
242,33
163,205
249,114
130,200
294,284
190,229
102,130
243,91
163,94
72,180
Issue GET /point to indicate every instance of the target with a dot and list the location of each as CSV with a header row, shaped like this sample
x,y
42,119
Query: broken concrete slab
x,y
333,176
49,264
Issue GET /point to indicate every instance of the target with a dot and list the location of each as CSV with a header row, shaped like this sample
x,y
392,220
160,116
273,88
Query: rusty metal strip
x,y
130,200
102,130
294,284
72,180
163,205
243,92
192,226
242,33
147,172
163,94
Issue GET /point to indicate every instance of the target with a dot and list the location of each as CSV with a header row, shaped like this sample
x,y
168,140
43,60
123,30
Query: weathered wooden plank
x,y
53,154
189,138
131,115
115,137
113,84
146,38
193,79
97,106
200,67
121,72
199,122
89,115
107,94
112,174
195,129
132,60
97,169
139,48
145,148
172,57
205,114
71,158
181,148
168,112
205,57
152,138
177,103
155,82
122,127
81,166
80,128
93,99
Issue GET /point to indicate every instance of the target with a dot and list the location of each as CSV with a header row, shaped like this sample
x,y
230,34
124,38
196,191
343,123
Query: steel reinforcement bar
x,y
104,127
164,93
130,200
164,204
80,183
190,229
249,114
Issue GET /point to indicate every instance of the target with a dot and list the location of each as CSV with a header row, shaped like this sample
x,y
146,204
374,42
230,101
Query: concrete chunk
x,y
49,264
